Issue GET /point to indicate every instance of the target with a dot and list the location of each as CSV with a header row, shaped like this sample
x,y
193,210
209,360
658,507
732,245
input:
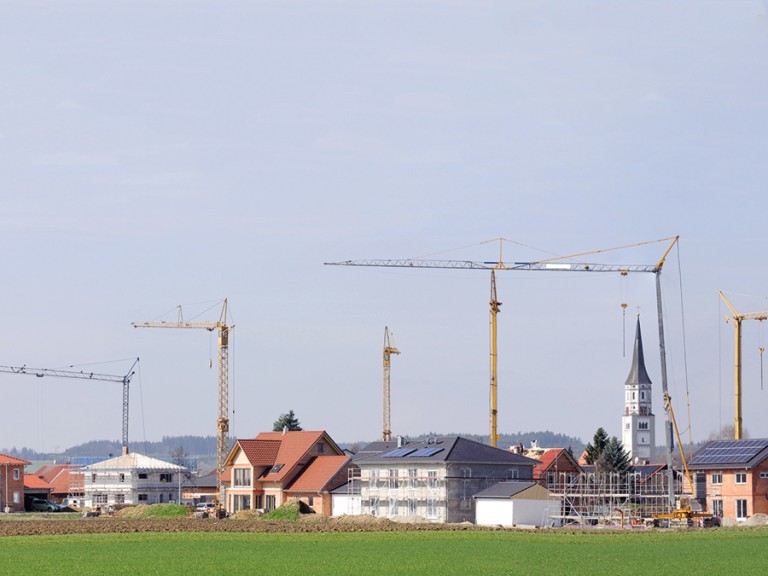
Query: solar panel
x,y
427,451
398,453
730,451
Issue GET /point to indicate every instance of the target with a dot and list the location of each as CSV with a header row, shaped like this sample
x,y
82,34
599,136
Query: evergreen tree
x,y
287,422
616,458
596,448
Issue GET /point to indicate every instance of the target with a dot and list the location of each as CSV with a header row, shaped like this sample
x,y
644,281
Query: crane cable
x,y
685,353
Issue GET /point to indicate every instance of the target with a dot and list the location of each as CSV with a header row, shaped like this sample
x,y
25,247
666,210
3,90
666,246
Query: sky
x,y
179,152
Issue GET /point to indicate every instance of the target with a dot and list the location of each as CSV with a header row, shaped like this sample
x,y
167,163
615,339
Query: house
x,y
436,478
556,467
12,483
35,487
274,467
345,500
734,476
517,503
131,479
66,480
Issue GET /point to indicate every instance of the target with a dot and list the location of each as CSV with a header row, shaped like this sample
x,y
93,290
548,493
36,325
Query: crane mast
x,y
124,380
572,263
222,422
389,349
737,320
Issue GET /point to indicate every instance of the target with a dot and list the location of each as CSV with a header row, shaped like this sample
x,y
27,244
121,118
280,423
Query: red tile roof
x,y
260,452
11,460
57,475
32,482
319,473
294,446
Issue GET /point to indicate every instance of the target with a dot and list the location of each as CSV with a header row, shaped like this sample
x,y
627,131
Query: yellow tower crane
x,y
737,320
572,263
222,422
389,348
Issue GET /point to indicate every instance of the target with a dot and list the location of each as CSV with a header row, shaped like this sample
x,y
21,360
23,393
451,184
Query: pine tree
x,y
597,447
287,422
616,458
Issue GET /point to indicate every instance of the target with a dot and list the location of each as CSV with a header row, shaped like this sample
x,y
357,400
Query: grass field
x,y
742,552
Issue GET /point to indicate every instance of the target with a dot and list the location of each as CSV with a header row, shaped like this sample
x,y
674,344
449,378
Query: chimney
x,y
125,450
399,441
285,429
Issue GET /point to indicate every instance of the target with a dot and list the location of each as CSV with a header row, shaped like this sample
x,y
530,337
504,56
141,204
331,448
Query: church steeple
x,y
637,373
638,434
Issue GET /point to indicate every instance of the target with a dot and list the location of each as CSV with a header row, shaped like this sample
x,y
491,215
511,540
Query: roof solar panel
x,y
427,452
730,451
398,453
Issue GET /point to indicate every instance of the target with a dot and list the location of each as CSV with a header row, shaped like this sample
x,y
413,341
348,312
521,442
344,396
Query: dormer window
x,y
320,448
276,468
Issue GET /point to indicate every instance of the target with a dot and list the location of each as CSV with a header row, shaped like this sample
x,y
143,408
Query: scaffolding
x,y
612,498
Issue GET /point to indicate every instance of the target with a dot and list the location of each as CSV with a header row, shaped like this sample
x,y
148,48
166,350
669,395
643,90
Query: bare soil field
x,y
111,525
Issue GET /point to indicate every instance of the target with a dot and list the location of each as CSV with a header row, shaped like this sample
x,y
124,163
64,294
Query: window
x,y
716,478
310,500
392,507
412,480
627,426
642,425
717,508
411,507
550,479
320,448
164,477
393,478
242,477
93,478
17,497
431,508
271,502
99,499
259,501
16,474
121,477
741,477
242,502
142,497
763,475
142,476
642,395
119,498
374,483
432,481
375,508
741,509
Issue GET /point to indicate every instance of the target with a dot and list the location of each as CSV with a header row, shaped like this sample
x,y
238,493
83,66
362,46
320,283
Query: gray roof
x,y
447,449
504,490
374,448
638,374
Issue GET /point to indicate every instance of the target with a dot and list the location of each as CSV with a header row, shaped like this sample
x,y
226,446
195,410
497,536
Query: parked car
x,y
39,505
205,507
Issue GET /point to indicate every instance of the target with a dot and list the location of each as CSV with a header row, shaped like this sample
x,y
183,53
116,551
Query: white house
x,y
435,479
517,504
132,479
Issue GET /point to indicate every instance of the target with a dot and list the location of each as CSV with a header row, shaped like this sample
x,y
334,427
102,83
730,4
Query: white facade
x,y
132,479
346,505
533,507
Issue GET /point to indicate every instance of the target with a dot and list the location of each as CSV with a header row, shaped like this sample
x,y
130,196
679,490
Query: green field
x,y
742,552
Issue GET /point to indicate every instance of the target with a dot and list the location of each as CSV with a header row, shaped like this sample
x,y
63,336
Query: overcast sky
x,y
166,152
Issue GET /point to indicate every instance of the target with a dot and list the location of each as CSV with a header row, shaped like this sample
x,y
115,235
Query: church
x,y
638,425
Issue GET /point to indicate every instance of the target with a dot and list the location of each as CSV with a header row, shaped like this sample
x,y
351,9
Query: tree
x,y
727,432
615,457
178,455
596,448
287,422
607,454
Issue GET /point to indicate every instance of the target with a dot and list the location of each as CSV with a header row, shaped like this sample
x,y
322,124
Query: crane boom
x,y
222,422
124,380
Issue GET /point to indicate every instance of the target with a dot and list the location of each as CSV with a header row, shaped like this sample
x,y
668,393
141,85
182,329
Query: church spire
x,y
638,374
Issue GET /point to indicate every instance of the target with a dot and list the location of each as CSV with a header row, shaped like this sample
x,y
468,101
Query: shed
x,y
517,503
